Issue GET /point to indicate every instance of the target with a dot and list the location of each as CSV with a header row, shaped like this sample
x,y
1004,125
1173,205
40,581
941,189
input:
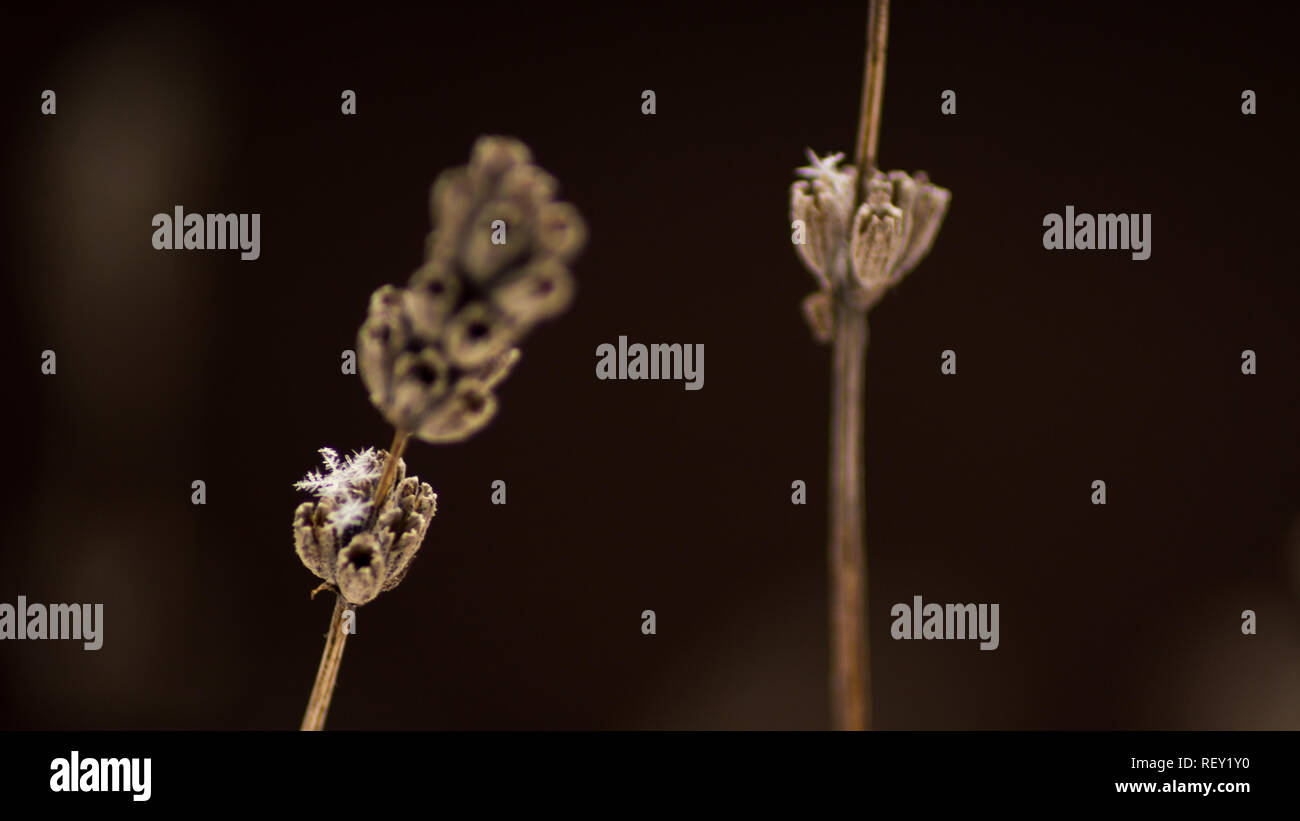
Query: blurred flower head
x,y
497,263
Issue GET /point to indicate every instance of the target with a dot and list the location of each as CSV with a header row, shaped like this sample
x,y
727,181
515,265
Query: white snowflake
x,y
353,511
346,483
828,178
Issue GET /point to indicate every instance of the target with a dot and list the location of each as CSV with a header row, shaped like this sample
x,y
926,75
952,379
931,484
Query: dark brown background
x,y
632,495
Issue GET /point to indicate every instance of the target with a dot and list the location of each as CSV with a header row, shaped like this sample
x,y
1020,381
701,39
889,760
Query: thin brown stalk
x,y
873,88
395,450
328,672
323,690
850,649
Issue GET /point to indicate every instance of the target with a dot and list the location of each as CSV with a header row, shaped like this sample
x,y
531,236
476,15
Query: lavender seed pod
x,y
861,254
341,540
496,265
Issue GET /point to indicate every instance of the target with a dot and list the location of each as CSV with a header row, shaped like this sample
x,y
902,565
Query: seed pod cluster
x,y
340,540
496,264
856,256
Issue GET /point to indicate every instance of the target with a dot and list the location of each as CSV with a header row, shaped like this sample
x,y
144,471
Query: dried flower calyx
x,y
858,255
496,265
343,541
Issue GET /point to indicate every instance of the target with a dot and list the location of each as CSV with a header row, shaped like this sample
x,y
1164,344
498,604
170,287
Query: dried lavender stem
x,y
323,690
850,651
400,438
873,91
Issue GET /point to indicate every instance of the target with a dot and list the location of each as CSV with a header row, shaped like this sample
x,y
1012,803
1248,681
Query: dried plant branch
x,y
873,89
430,355
850,649
859,231
328,672
850,646
400,438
